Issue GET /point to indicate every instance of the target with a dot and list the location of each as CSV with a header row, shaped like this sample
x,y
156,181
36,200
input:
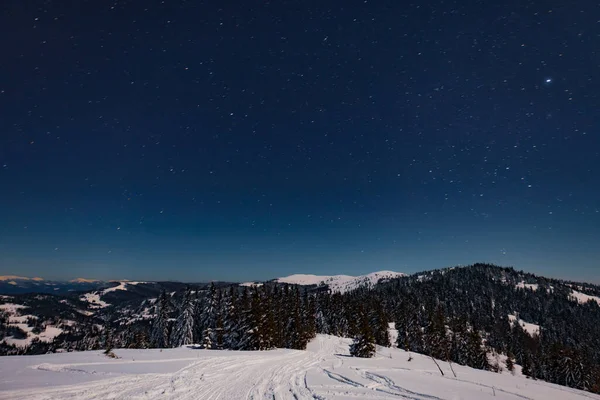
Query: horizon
x,y
8,277
187,140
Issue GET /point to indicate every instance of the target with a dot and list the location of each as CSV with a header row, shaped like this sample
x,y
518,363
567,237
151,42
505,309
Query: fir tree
x,y
183,333
476,352
363,344
379,322
245,328
310,319
231,320
160,327
510,364
254,318
210,319
294,324
436,336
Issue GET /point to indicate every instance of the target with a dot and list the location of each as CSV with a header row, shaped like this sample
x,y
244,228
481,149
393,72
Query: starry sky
x,y
238,140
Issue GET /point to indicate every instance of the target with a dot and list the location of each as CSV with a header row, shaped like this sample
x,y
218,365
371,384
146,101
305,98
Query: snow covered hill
x,y
324,371
340,283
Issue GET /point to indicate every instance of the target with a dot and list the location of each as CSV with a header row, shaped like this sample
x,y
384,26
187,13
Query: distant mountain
x,y
18,278
340,283
12,284
84,280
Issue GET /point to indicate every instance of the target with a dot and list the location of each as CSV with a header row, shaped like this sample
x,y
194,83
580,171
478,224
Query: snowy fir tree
x,y
210,319
183,332
231,323
160,326
363,344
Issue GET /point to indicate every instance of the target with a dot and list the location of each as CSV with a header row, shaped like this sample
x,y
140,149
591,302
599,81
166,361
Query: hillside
x,y
323,371
549,327
340,283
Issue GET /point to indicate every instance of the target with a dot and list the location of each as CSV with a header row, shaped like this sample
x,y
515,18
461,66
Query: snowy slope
x,y
583,298
17,318
532,286
340,283
530,328
324,371
121,286
95,298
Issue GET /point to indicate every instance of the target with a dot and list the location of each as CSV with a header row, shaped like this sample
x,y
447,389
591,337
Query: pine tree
x,y
183,333
295,327
209,319
140,339
363,344
160,327
510,364
267,320
435,335
253,318
108,339
220,322
310,319
231,320
91,338
279,317
476,352
245,327
379,322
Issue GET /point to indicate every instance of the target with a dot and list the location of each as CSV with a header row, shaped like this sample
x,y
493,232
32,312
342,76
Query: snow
x,y
18,278
393,333
583,298
340,283
47,335
523,285
251,284
50,333
324,371
20,321
121,286
11,308
94,297
94,300
83,280
532,329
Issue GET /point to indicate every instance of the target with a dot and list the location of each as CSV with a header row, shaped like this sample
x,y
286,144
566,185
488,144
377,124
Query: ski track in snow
x,y
244,377
325,371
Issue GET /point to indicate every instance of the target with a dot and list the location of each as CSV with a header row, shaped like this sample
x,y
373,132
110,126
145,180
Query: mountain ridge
x,y
340,283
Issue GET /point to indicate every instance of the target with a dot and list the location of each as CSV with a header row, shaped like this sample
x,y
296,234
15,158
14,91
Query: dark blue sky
x,y
244,140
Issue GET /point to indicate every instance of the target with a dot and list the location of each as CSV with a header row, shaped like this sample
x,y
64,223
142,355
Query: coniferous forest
x,y
455,315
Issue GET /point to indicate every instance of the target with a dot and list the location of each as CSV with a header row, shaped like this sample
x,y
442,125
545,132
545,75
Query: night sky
x,y
238,140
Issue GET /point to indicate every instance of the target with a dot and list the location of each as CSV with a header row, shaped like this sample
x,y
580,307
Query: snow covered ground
x,y
121,286
324,371
16,318
340,283
583,298
532,286
94,300
530,328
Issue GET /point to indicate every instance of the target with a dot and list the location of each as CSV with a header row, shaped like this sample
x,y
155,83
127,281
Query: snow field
x,y
324,371
340,283
530,328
